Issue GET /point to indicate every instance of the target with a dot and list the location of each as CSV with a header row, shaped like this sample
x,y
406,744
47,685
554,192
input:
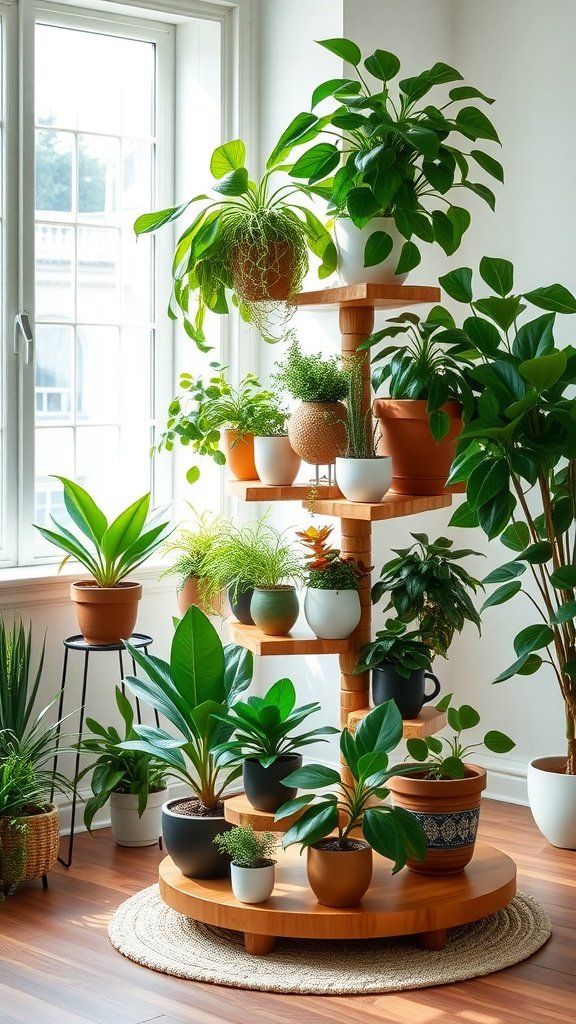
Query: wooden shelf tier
x,y
391,507
402,904
299,641
429,722
255,490
239,811
374,296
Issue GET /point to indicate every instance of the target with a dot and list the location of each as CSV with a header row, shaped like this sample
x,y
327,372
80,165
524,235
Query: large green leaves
x,y
197,659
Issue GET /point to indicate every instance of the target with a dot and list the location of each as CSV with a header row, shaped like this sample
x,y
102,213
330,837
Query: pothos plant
x,y
243,225
517,456
381,152
445,755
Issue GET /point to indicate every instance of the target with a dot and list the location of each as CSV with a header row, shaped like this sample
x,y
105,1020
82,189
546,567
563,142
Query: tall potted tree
x,y
517,457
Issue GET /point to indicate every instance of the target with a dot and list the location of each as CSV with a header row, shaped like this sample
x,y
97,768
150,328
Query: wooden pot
x,y
317,431
29,853
339,878
448,810
260,277
239,450
189,594
106,615
420,465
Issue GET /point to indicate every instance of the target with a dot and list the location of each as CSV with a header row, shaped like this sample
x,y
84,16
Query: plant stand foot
x,y
44,881
433,940
258,945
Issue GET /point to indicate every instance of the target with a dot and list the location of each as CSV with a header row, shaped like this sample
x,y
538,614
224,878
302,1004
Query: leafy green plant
x,y
517,455
197,416
429,363
262,725
391,831
326,569
252,555
236,232
117,770
405,650
445,755
192,544
114,549
393,156
310,378
247,848
270,422
202,679
18,686
19,795
424,584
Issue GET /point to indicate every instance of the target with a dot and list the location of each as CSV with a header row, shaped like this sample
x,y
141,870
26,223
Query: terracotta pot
x,y
239,450
276,282
317,433
420,465
189,595
552,799
29,854
448,810
275,609
106,615
339,878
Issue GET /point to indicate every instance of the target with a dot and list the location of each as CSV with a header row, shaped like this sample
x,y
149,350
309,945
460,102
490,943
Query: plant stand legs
x,y
258,945
433,940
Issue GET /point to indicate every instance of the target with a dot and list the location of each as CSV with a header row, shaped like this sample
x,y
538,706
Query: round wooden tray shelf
x,y
403,904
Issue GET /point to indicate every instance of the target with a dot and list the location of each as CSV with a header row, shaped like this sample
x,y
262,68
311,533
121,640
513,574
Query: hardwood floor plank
x,y
58,967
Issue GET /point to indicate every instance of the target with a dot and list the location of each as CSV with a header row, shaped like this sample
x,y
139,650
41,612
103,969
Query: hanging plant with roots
x,y
249,245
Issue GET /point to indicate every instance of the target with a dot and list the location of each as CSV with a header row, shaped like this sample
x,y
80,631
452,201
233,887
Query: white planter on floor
x,y
332,614
552,798
276,461
252,885
351,242
130,830
364,479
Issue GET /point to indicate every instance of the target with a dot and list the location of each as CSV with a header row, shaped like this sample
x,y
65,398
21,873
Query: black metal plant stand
x,y
78,643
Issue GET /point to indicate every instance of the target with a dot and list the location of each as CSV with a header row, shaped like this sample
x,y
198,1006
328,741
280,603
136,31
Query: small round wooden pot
x,y
339,878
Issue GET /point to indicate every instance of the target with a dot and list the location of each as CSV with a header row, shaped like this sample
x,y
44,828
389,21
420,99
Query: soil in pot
x,y
448,810
339,877
188,829
264,787
275,609
409,694
420,465
106,615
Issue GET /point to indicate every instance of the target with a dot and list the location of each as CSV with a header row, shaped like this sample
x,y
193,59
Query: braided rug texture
x,y
146,930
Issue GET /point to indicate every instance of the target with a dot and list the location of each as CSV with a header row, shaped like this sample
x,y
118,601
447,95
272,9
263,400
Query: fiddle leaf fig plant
x,y
517,456
389,148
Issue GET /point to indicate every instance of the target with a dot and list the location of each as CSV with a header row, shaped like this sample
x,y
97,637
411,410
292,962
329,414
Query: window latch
x,y
23,327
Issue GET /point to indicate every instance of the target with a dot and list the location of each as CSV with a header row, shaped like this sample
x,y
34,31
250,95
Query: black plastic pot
x,y
408,694
240,605
188,841
264,787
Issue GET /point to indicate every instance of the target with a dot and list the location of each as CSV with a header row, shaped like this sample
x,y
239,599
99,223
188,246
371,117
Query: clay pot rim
x,y
93,585
411,408
474,780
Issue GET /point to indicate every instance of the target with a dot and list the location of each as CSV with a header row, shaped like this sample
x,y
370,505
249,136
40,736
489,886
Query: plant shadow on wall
x,y
248,245
517,457
385,154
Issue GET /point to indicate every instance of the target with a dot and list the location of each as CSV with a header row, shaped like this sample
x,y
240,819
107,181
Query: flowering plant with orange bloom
x,y
327,570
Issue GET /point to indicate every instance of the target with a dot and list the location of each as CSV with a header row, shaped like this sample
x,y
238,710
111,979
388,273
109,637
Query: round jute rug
x,y
146,930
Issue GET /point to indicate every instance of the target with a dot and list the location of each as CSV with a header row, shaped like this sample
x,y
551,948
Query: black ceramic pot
x,y
188,841
263,786
240,605
408,694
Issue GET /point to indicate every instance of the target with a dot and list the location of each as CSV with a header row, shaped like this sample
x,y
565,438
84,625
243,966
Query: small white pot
x,y
276,461
351,242
252,885
364,479
130,830
332,614
552,798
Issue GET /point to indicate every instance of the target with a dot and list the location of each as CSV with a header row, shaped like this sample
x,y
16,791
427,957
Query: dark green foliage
x,y
445,756
311,378
406,650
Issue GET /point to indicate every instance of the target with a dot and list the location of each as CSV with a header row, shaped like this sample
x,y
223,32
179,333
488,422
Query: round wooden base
x,y
403,904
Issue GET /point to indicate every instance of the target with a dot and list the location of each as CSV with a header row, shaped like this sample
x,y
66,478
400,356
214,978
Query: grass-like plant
x,y
252,555
361,429
247,848
310,378
445,755
18,684
192,544
326,569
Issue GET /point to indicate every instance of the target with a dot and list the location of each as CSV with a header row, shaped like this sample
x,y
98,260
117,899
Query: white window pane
x,y
98,177
98,466
135,453
97,374
55,258
98,292
137,169
135,372
137,280
54,164
53,374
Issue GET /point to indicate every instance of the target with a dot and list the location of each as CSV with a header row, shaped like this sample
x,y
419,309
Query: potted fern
x,y
190,545
251,862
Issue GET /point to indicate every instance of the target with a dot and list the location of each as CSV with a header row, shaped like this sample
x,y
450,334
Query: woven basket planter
x,y
40,843
317,432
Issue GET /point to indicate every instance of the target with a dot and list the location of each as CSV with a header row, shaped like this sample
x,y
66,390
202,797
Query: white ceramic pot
x,y
364,479
130,830
552,798
276,461
252,885
332,614
351,242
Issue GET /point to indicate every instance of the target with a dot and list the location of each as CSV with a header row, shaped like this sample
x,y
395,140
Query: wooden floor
x,y
58,967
